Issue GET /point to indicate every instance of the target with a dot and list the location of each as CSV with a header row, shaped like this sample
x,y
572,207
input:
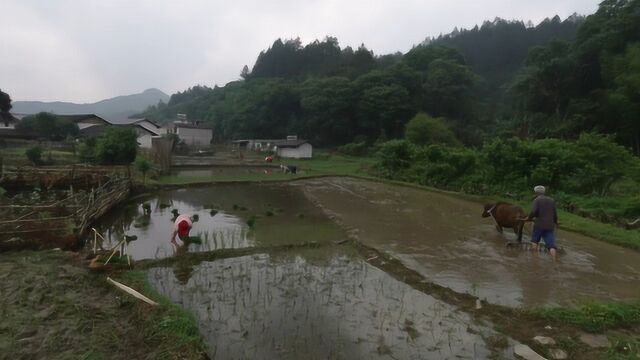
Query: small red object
x,y
183,228
269,159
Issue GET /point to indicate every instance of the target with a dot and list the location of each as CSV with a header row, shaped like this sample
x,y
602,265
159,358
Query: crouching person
x,y
181,227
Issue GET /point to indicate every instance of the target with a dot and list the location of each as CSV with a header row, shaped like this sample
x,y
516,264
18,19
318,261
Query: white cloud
x,y
89,50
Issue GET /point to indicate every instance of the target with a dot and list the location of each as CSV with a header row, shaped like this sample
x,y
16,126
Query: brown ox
x,y
506,215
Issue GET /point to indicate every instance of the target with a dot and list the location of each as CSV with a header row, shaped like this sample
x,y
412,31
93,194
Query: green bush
x,y
395,158
354,149
86,152
116,146
589,166
143,166
34,154
424,130
447,167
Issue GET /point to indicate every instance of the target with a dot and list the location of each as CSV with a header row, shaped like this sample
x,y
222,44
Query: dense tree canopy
x,y
504,78
48,126
592,84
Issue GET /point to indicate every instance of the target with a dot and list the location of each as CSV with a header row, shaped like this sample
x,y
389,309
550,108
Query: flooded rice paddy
x,y
328,301
280,215
317,304
446,240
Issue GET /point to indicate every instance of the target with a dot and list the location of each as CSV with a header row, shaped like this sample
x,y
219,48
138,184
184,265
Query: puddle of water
x,y
215,171
283,215
447,241
316,303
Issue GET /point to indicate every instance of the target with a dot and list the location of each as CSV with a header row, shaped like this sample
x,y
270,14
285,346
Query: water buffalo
x,y
506,215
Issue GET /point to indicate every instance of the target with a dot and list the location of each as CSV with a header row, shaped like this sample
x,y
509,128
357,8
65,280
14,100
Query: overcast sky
x,y
88,50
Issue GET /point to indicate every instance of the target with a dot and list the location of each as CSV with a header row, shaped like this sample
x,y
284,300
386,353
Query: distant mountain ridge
x,y
114,109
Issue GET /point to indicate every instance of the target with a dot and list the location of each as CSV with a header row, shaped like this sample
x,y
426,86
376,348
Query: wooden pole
x,y
115,249
131,292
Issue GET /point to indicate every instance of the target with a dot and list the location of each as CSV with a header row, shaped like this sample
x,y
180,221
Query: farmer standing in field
x,y
182,227
543,210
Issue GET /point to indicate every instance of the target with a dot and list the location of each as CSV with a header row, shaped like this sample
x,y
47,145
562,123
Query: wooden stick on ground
x,y
131,292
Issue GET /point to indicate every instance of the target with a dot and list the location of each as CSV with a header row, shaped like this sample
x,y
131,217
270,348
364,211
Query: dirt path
x,y
53,308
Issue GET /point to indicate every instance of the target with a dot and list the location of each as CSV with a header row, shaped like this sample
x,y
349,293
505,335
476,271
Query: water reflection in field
x,y
230,216
317,304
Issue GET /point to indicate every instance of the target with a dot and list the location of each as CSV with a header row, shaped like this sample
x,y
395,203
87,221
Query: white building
x,y
296,149
193,134
145,129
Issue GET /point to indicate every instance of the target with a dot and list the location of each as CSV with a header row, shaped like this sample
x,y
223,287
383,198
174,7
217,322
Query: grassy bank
x,y
169,325
605,232
52,307
595,316
16,156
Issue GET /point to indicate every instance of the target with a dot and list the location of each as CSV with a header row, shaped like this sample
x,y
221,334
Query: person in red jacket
x,y
181,227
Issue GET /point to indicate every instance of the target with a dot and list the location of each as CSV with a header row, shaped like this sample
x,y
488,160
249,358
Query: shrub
x,y
444,166
116,146
86,152
143,166
424,130
354,149
588,166
395,157
34,154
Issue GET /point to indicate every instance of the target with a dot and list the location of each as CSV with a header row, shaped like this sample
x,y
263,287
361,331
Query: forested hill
x,y
561,78
496,50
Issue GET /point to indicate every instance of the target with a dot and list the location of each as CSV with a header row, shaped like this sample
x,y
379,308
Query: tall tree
x,y
47,125
5,102
327,105
383,111
245,72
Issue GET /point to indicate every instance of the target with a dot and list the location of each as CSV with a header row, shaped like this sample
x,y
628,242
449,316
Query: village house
x,y
294,148
89,125
192,133
290,147
146,130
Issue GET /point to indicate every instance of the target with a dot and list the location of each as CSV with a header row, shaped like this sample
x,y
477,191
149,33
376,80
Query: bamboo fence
x,y
73,214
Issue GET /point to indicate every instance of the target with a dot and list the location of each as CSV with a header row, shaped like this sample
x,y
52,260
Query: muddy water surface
x,y
317,304
445,239
281,215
